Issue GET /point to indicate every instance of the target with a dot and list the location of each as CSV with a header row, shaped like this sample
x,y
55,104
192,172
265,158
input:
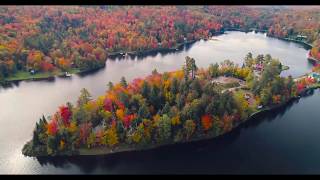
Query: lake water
x,y
284,141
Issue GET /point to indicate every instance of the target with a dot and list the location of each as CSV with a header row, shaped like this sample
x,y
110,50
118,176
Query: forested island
x,y
165,108
41,42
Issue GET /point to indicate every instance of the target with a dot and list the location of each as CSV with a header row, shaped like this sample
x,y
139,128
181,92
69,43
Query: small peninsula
x,y
185,105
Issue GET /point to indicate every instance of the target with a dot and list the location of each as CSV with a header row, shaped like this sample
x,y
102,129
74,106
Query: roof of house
x,y
302,36
258,66
315,75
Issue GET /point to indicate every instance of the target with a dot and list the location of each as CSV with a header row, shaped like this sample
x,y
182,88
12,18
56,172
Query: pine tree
x,y
123,82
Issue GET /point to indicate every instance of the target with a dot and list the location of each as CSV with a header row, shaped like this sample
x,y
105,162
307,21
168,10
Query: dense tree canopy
x,y
50,38
164,107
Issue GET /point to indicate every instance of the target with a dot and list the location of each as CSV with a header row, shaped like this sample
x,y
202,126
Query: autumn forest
x,y
164,108
54,39
182,90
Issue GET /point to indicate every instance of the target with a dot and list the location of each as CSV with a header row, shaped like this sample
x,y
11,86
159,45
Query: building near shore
x,y
315,76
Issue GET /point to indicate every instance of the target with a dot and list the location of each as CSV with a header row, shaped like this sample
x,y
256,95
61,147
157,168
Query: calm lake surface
x,y
284,141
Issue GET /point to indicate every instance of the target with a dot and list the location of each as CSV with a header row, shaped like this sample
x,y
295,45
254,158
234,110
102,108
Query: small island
x,y
185,105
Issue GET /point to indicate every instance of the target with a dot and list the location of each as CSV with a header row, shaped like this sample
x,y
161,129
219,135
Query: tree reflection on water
x,y
174,157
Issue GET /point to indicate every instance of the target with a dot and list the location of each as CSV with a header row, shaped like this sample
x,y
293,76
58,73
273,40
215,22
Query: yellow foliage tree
x,y
120,114
169,96
242,104
178,74
61,145
106,115
167,84
73,127
111,137
136,137
91,140
175,120
91,106
100,101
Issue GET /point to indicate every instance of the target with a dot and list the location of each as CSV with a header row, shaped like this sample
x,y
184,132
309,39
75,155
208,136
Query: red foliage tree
x,y
52,127
85,130
128,119
65,114
108,105
206,121
300,86
46,67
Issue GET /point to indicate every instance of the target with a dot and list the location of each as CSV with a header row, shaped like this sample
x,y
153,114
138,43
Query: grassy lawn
x,y
74,71
316,85
24,75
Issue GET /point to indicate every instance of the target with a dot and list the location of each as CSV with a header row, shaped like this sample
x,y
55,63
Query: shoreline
x,y
305,44
44,76
313,59
96,151
50,76
310,57
145,52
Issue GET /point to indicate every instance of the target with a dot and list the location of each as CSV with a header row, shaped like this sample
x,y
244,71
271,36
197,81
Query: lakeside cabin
x,y
247,96
315,76
301,37
67,74
32,71
258,67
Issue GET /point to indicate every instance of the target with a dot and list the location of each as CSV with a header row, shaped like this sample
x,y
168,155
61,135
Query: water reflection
x,y
222,155
173,156
90,72
269,115
163,53
12,84
7,85
312,62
